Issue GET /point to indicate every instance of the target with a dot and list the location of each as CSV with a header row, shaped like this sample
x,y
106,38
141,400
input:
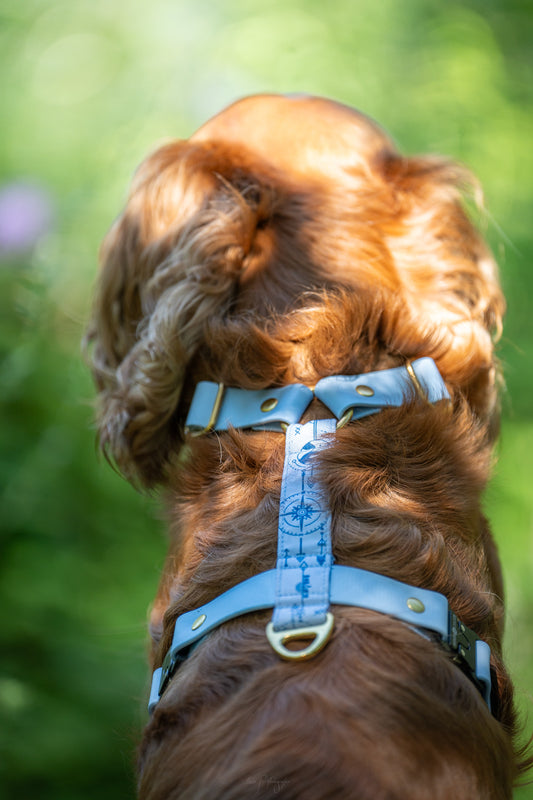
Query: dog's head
x,y
285,240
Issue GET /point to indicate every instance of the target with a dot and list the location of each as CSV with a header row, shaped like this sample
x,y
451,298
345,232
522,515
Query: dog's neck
x,y
305,576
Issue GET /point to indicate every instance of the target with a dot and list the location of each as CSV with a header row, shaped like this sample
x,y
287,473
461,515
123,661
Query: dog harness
x,y
306,581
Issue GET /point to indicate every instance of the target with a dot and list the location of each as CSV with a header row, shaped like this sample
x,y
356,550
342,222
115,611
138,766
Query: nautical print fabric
x,y
304,536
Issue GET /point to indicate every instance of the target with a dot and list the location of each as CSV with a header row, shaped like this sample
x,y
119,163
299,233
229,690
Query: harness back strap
x,y
304,542
350,586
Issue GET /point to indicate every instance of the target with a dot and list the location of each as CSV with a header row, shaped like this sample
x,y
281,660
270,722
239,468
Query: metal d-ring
x,y
321,633
344,420
419,389
346,417
416,383
214,413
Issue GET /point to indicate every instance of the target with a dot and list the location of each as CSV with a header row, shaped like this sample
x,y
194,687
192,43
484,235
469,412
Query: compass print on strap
x,y
302,513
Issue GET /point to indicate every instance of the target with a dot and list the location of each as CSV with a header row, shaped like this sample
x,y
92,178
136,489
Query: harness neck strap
x,y
217,407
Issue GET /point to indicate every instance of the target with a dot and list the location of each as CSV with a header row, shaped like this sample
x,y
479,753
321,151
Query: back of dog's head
x,y
271,206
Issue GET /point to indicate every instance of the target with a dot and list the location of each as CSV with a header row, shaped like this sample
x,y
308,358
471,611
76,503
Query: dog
x,y
286,242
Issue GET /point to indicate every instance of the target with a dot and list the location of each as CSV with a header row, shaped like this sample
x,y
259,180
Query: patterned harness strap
x,y
304,545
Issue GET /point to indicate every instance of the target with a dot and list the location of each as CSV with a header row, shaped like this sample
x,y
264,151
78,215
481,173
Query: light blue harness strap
x,y
216,407
246,408
255,594
371,392
349,586
304,531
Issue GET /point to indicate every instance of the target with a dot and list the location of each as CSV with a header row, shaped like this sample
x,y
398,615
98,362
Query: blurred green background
x,y
89,89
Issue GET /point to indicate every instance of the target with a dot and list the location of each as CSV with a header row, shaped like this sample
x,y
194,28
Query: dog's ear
x,y
449,275
170,264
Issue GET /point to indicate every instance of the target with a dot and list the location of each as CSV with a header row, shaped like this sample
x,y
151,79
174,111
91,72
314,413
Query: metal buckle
x,y
167,669
169,666
320,632
214,413
419,389
462,641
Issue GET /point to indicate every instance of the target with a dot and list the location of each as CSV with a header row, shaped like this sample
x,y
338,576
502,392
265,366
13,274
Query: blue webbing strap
x,y
304,531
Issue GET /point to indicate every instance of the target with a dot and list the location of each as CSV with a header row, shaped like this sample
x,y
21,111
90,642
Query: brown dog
x,y
286,241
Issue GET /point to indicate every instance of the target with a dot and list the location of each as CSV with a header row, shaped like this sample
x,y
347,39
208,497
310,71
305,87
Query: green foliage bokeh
x,y
89,89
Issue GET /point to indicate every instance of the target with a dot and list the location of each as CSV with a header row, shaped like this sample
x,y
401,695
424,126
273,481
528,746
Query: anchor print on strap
x,y
304,545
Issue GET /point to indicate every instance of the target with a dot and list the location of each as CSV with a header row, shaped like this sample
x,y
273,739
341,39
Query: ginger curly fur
x,y
288,240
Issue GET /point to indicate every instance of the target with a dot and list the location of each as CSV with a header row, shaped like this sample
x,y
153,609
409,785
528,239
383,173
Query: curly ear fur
x,y
169,264
211,226
444,262
450,277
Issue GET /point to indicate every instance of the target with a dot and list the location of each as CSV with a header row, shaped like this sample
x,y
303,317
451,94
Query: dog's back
x,y
284,242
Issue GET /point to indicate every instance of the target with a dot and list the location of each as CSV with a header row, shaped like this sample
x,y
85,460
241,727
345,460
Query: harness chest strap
x,y
350,586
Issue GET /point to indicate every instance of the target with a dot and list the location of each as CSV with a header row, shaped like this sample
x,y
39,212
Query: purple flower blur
x,y
26,215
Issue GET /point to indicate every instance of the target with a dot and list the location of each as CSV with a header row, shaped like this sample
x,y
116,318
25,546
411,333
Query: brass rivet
x,y
416,605
364,391
270,404
198,622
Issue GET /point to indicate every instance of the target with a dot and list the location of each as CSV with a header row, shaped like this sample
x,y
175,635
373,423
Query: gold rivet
x,y
416,605
198,622
269,405
364,391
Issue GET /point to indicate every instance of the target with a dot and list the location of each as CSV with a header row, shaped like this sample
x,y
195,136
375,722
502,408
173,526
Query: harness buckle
x,y
321,633
462,642
167,670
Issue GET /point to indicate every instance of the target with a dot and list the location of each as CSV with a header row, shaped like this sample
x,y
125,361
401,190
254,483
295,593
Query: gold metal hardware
x,y
364,391
269,405
321,633
416,383
346,417
416,605
214,413
198,622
